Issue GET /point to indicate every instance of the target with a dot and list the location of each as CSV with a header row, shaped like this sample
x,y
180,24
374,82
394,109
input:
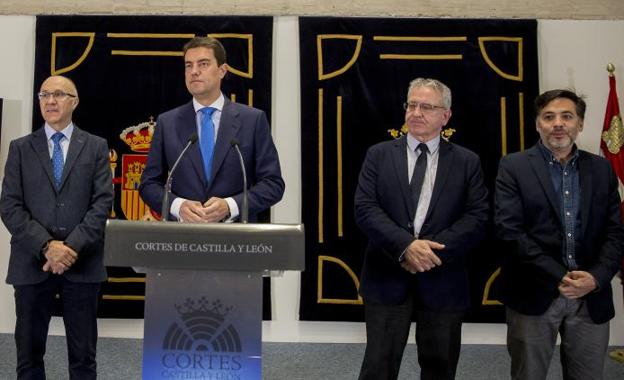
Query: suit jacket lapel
x,y
445,159
77,142
39,143
187,125
585,180
228,128
536,160
399,156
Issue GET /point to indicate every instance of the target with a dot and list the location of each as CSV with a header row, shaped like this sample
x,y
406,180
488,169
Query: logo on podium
x,y
202,327
202,343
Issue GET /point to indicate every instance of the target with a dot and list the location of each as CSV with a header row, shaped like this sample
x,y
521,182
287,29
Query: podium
x,y
203,297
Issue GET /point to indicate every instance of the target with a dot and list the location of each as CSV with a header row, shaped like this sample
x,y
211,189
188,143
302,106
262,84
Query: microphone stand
x,y
164,213
245,206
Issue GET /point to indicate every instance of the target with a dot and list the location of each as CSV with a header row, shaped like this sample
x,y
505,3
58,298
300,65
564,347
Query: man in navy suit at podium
x,y
56,196
207,186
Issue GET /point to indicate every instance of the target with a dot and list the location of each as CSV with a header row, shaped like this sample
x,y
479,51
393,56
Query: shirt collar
x,y
549,156
67,131
432,144
218,104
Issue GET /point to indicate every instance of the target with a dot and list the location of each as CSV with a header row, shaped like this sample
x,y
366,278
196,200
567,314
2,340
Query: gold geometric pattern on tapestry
x,y
431,57
485,300
126,297
245,73
249,38
339,189
319,47
503,122
320,163
503,126
320,299
518,40
58,35
249,97
521,121
122,298
339,169
150,53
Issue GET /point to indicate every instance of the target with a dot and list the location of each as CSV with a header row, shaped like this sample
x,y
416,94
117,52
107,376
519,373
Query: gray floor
x,y
120,359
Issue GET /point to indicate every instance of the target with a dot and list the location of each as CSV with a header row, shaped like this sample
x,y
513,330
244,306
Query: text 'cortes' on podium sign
x,y
215,246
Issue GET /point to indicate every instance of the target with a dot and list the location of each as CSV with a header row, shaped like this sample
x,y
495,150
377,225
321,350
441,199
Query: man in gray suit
x,y
56,196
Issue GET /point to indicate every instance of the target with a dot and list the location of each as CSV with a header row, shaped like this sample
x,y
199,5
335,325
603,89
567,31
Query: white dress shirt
x,y
216,121
67,132
430,176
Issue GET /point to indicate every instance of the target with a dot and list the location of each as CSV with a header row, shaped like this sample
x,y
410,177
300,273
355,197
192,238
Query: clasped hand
x,y
419,256
576,284
59,257
213,210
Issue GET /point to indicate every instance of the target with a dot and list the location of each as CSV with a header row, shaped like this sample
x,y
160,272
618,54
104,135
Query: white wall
x,y
17,41
552,9
572,54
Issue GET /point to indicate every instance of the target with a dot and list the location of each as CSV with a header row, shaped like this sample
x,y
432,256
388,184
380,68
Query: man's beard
x,y
560,143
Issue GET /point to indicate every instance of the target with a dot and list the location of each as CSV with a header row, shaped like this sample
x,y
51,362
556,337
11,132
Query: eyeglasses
x,y
424,107
57,95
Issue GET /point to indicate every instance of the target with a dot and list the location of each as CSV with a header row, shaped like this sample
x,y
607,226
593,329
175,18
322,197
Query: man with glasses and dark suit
x,y
56,196
422,203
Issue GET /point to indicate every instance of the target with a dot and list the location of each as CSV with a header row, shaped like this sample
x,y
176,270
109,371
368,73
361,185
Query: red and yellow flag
x,y
612,138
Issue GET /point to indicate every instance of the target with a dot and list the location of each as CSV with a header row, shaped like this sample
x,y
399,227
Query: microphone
x,y
164,214
245,208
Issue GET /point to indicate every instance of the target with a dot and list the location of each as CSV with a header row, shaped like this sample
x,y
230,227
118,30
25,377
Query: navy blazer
x,y
34,212
456,217
529,226
248,125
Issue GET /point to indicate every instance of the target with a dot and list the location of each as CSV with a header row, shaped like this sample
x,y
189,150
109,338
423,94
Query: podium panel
x,y
203,325
203,298
214,246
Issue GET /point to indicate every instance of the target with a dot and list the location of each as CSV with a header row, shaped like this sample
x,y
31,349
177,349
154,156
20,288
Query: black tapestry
x,y
128,70
354,78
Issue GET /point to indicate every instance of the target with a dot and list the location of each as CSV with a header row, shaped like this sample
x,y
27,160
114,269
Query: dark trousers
x,y
438,340
34,305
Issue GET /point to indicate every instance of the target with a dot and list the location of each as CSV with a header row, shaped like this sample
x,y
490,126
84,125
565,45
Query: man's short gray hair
x,y
440,87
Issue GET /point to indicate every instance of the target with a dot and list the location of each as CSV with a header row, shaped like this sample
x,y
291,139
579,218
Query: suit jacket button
x,y
410,225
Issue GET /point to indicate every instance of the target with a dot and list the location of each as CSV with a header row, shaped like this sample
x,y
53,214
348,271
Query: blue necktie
x,y
206,141
57,159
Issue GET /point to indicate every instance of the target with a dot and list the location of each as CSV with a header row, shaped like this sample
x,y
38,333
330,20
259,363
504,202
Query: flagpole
x,y
611,69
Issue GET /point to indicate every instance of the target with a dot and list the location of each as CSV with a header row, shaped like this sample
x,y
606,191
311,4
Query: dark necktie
x,y
57,159
206,141
418,176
